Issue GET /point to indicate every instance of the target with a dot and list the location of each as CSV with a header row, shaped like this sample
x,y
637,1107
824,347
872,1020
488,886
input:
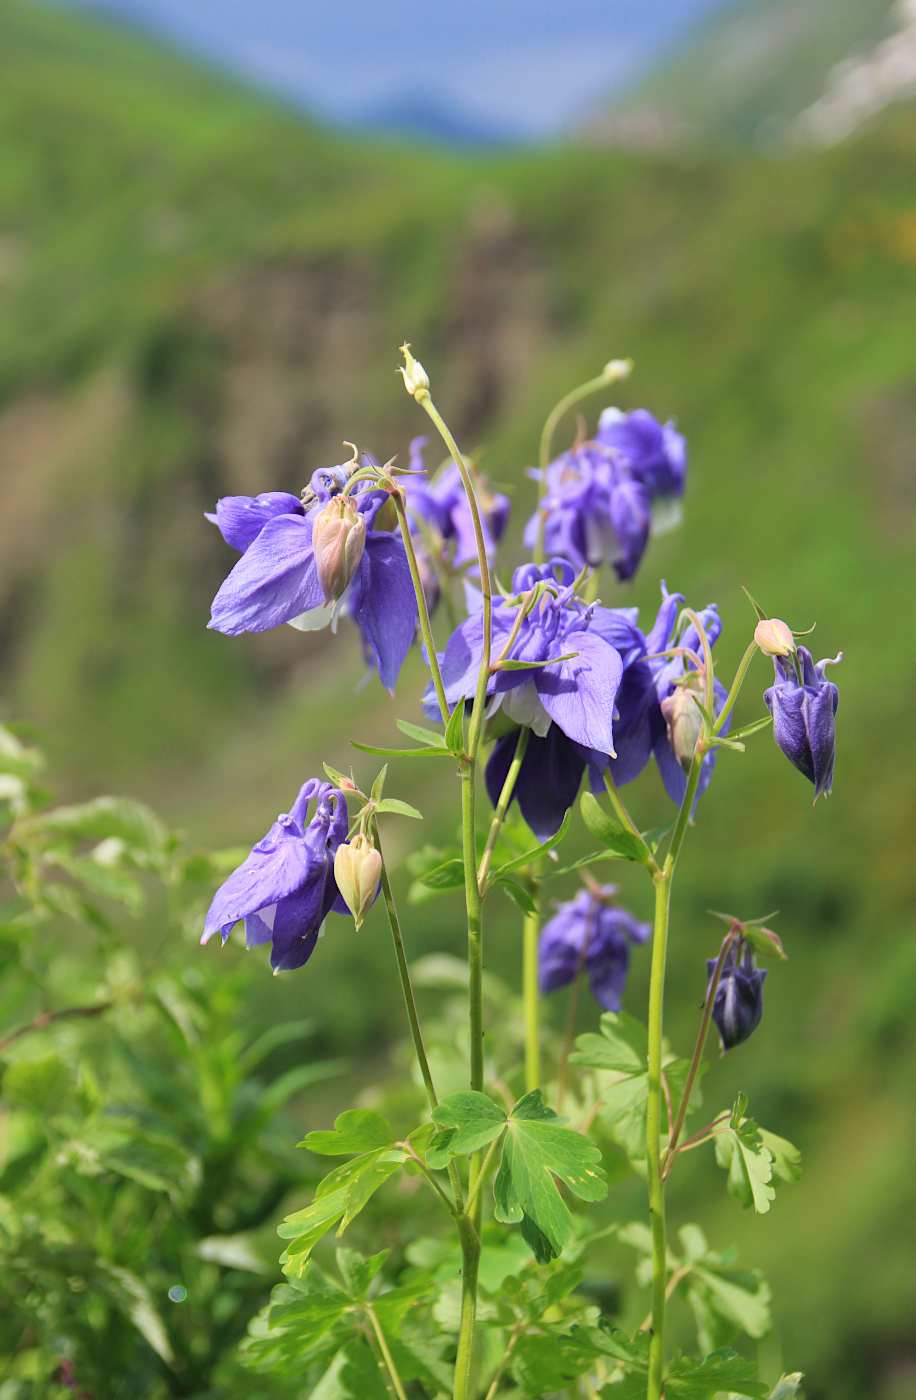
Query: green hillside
x,y
201,294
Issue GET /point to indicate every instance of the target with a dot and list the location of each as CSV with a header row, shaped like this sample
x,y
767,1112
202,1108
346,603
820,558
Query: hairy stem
x,y
470,1259
422,609
49,1018
499,816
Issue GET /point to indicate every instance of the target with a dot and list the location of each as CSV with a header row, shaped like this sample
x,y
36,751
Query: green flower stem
x,y
607,376
707,658
502,805
404,973
662,879
383,1348
736,687
698,1052
530,991
470,1260
398,498
422,397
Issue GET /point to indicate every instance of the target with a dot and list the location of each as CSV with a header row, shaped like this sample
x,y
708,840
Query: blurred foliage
x,y
200,293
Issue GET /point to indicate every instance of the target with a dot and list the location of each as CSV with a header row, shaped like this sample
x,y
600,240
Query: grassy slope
x,y
203,294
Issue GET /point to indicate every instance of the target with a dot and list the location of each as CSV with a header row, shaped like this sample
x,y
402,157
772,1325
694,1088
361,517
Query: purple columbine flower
x,y
575,697
595,511
277,579
588,933
667,671
285,888
738,1007
442,507
803,709
655,453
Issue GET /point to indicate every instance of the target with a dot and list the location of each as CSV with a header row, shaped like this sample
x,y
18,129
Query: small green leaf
x,y
438,1155
400,753
358,1272
396,807
454,730
357,1130
378,787
509,665
536,851
623,1045
611,834
340,1196
723,1370
749,1165
476,1119
765,943
748,729
423,736
518,894
447,876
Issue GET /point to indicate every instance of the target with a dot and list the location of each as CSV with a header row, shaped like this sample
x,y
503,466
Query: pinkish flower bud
x,y
774,638
357,871
684,723
338,539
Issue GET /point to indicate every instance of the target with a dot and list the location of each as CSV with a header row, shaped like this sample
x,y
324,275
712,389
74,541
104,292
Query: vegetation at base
x,y
196,291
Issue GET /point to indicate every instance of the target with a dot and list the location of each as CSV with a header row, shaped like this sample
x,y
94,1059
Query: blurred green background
x,y
201,294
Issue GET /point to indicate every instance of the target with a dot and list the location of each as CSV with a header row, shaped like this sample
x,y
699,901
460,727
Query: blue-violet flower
x,y
285,888
803,705
279,578
588,933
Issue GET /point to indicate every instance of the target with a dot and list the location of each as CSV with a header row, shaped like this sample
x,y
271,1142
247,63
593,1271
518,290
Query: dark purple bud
x,y
738,1007
803,704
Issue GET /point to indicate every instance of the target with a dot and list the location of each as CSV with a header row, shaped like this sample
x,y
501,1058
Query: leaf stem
x,y
479,1180
516,1333
49,1018
736,687
499,816
398,497
698,1051
415,1157
625,818
383,1348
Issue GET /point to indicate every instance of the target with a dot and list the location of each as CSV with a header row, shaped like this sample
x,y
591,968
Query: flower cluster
x,y
597,502
590,934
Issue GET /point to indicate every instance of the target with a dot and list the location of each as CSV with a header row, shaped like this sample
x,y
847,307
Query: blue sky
x,y
523,69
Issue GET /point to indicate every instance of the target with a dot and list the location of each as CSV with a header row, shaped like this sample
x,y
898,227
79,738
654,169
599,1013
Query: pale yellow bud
x,y
684,723
618,369
415,376
338,540
774,638
357,870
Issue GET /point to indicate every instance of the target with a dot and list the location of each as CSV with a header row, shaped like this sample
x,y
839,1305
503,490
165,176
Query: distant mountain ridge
x,y
746,75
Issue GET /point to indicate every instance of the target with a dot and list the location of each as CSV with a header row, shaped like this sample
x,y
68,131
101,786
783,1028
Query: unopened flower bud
x,y
618,369
415,376
357,871
338,539
684,723
774,638
738,1007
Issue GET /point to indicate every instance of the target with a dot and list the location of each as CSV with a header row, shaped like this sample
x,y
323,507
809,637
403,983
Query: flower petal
x,y
386,610
580,695
274,581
